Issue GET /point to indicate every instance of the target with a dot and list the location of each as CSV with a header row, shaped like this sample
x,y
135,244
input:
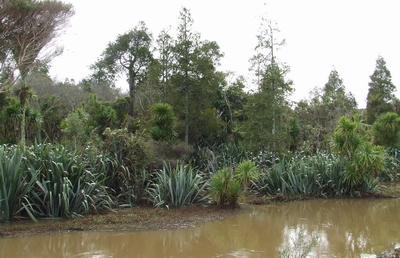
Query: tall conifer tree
x,y
381,92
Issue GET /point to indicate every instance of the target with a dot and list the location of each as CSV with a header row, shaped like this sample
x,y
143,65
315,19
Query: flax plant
x,y
65,186
176,187
15,183
318,175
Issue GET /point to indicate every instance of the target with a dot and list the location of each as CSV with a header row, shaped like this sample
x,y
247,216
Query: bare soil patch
x,y
133,219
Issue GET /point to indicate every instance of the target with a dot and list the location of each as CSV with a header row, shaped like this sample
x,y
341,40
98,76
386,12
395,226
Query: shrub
x,y
164,123
224,187
15,183
127,156
176,187
66,186
246,172
317,175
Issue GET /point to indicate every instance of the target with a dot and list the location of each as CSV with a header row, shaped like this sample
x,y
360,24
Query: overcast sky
x,y
320,35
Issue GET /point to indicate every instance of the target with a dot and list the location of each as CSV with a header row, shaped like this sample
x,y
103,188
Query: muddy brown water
x,y
342,228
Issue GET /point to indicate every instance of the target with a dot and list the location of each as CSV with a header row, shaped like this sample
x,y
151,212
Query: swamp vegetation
x,y
187,137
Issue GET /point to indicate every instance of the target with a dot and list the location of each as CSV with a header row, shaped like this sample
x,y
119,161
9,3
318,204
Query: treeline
x,y
181,107
210,107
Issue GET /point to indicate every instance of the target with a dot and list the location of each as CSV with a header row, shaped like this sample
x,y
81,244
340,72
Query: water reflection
x,y
344,228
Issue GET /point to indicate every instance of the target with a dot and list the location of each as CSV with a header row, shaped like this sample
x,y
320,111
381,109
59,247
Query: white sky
x,y
348,35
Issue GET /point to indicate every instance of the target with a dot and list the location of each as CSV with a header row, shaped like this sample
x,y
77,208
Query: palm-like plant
x,y
12,120
164,122
362,157
24,93
346,140
371,158
246,172
224,187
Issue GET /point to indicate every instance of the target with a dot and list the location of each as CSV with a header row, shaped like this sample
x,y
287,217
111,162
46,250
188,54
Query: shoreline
x,y
129,219
143,218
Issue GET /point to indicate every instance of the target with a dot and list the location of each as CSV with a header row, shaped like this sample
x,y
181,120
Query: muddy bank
x,y
133,219
148,218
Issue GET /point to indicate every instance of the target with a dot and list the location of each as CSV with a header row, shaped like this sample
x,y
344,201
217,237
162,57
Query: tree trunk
x,y
187,115
23,124
132,94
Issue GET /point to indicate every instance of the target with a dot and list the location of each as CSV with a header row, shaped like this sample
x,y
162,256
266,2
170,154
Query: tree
x,y
184,51
363,159
246,172
229,104
165,61
163,120
380,93
267,107
130,53
386,130
318,116
24,94
27,30
195,83
293,131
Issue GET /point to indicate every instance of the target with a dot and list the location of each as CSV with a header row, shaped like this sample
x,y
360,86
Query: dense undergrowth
x,y
47,180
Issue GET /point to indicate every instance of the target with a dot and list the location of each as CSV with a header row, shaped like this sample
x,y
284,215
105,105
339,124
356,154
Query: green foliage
x,y
318,115
386,130
206,127
194,82
210,160
15,183
121,107
363,159
224,187
75,126
65,186
164,152
164,121
89,120
101,115
11,120
176,187
132,150
290,178
162,68
317,175
246,172
129,54
380,93
266,108
128,155
266,111
229,103
346,139
294,131
371,159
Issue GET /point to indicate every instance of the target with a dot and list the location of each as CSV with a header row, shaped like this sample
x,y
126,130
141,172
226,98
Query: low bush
x,y
176,187
318,175
15,183
225,189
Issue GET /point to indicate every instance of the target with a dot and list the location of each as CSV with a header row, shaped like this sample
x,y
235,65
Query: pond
x,y
341,228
